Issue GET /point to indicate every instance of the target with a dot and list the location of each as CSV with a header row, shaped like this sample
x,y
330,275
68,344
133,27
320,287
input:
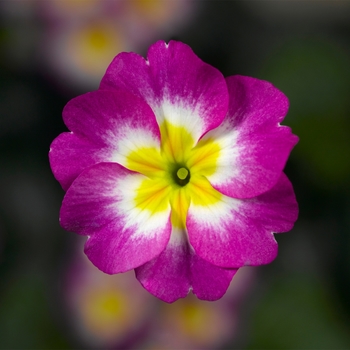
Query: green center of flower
x,y
182,176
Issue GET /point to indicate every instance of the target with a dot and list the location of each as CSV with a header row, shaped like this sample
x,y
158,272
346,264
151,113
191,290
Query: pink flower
x,y
176,172
105,312
82,37
184,325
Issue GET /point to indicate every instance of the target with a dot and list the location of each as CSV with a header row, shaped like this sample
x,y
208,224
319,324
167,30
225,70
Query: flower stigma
x,y
182,176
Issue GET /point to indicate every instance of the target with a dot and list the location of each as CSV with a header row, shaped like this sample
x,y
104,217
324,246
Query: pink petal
x,y
69,155
178,270
238,232
254,147
209,282
105,125
179,87
100,204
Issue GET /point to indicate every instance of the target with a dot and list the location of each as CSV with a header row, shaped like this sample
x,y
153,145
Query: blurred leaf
x,y
297,313
25,321
324,149
316,78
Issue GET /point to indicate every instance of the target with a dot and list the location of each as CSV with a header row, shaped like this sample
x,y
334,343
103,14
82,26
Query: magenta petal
x,y
168,276
209,282
256,146
100,204
99,116
175,83
99,121
240,232
69,155
177,270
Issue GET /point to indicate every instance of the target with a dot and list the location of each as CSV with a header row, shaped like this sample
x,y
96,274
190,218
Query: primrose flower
x,y
105,312
184,325
176,172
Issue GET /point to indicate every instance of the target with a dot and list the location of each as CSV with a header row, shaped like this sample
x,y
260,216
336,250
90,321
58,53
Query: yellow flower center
x,y
176,173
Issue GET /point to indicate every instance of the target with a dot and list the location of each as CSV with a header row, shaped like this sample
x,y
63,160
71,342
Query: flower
x,y
184,325
104,312
80,51
176,172
82,37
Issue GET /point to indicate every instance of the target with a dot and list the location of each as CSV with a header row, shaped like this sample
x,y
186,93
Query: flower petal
x,y
250,147
236,232
106,127
101,203
180,88
209,282
177,270
69,155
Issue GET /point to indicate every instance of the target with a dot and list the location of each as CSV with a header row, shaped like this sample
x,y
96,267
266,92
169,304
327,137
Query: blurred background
x,y
52,297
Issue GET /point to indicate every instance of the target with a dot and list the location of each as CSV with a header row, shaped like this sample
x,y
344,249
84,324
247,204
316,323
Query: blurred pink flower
x,y
103,310
82,37
194,324
79,52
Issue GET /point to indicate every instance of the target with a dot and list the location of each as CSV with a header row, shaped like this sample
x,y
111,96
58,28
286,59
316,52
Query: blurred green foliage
x,y
298,313
315,75
25,318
